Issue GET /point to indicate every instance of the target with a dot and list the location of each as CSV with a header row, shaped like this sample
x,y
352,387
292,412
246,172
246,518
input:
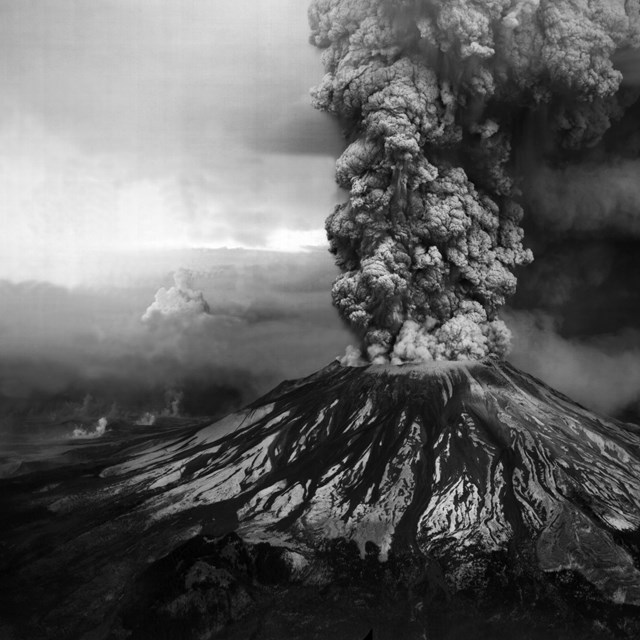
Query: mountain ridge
x,y
473,465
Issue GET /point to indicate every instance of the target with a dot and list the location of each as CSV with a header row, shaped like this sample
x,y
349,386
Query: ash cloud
x,y
601,372
588,197
574,319
445,105
589,192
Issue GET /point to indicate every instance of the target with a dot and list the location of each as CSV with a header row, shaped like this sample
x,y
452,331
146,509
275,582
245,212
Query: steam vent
x,y
442,500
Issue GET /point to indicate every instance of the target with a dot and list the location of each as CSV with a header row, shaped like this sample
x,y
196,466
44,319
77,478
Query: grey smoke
x,y
435,96
601,372
587,197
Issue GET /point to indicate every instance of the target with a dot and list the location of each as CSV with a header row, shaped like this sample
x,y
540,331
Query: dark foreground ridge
x,y
441,501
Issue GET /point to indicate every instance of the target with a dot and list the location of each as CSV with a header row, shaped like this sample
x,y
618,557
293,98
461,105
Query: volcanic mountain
x,y
440,500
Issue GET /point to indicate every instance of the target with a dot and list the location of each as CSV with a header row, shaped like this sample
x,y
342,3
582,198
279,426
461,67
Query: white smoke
x,y
173,402
146,419
353,357
178,301
99,430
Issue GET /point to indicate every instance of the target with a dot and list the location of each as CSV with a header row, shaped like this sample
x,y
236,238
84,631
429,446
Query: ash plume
x,y
441,101
601,372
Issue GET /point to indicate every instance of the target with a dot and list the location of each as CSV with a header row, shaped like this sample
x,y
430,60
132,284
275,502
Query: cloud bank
x,y
601,372
217,334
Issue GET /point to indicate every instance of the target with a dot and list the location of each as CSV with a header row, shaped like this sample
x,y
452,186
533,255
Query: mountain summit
x,y
427,485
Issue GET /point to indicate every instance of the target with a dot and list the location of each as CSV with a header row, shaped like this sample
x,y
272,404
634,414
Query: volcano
x,y
440,500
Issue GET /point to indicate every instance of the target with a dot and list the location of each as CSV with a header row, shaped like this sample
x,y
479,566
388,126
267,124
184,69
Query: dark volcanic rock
x,y
195,591
456,500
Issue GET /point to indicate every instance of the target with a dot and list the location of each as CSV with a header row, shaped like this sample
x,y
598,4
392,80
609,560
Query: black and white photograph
x,y
319,319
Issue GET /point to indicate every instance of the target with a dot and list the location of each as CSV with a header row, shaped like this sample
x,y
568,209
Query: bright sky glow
x,y
128,126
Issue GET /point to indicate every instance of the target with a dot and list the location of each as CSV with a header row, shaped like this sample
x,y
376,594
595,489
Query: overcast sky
x,y
137,137
130,124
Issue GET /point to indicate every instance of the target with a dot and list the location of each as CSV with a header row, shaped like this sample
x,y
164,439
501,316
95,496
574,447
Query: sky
x,y
130,125
140,139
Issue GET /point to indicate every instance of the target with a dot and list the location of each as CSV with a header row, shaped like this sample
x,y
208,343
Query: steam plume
x,y
435,95
181,300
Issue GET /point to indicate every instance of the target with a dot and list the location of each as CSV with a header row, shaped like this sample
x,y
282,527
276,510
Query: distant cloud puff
x,y
178,301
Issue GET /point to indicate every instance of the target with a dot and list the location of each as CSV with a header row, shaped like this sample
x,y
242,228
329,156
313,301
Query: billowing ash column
x,y
435,96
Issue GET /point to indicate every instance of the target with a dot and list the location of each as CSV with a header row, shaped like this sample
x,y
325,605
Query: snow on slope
x,y
459,462
453,459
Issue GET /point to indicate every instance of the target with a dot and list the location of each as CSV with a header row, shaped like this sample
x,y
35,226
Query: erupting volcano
x,y
414,490
420,487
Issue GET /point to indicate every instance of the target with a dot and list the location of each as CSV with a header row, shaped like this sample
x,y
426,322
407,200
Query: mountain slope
x,y
474,466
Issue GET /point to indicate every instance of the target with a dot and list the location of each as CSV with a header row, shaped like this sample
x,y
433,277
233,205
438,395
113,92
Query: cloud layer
x,y
601,372
220,335
126,126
